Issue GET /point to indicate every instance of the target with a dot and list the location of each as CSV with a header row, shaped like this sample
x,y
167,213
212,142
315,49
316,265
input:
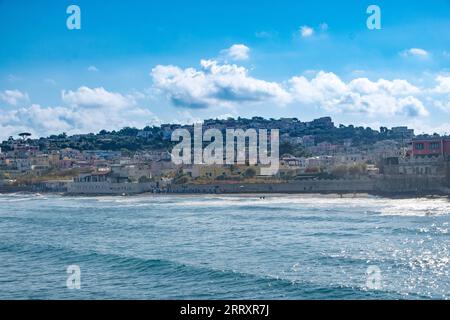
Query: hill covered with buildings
x,y
134,160
292,131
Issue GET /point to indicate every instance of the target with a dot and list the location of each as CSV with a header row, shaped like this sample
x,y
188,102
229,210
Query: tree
x,y
144,179
340,171
250,173
24,135
182,180
357,169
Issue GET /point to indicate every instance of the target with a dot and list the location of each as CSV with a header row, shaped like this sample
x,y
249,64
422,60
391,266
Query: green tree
x,y
249,173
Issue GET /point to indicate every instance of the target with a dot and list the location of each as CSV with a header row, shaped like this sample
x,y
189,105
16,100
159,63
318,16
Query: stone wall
x,y
107,188
384,185
305,186
409,184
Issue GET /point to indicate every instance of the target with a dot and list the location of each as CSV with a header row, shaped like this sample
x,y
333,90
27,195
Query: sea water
x,y
224,247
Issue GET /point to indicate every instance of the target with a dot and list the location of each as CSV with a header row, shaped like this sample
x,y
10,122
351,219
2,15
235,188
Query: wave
x,y
308,203
417,207
222,283
382,206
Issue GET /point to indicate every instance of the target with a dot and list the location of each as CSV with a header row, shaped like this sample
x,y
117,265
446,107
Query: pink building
x,y
433,146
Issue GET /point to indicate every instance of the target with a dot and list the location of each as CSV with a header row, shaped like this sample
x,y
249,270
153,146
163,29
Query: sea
x,y
223,247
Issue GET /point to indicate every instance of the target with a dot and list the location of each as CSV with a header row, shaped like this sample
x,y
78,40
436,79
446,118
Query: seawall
x,y
392,185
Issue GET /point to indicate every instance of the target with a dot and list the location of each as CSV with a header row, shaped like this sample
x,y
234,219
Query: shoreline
x,y
261,195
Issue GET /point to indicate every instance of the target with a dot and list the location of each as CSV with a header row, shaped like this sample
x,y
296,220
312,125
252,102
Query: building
x,y
324,148
431,146
134,172
320,162
415,166
308,141
321,123
350,159
107,183
218,171
402,133
289,161
387,148
102,154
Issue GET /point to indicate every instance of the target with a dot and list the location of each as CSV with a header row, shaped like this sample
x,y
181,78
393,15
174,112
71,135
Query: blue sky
x,y
139,62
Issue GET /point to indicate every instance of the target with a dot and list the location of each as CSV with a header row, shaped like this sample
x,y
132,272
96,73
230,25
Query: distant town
x,y
315,157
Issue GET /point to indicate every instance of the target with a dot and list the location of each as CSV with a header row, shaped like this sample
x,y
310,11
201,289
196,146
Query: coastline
x,y
391,187
261,196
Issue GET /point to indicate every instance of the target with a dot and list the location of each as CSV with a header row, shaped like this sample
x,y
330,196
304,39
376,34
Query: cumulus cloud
x,y
415,52
443,85
228,85
97,97
237,52
43,121
443,105
14,97
439,96
361,95
85,110
306,31
214,85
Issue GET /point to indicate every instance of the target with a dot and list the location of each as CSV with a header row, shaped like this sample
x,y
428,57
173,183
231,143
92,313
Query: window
x,y
419,146
435,146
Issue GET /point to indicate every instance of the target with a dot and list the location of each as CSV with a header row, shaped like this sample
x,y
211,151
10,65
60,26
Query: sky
x,y
138,63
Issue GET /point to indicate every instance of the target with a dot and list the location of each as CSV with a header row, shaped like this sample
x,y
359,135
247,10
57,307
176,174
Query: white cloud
x,y
443,105
85,110
361,95
229,85
395,87
415,52
92,69
411,107
306,31
215,85
186,117
439,96
14,97
44,121
443,85
86,97
423,127
237,52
